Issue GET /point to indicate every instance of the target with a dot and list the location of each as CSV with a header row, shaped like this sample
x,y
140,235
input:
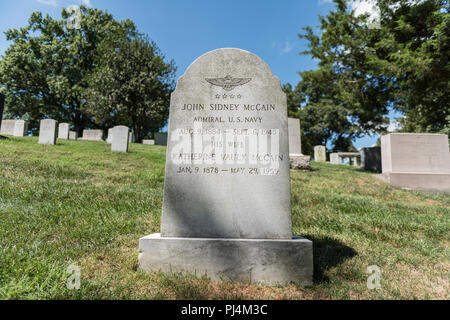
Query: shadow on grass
x,y
3,137
328,253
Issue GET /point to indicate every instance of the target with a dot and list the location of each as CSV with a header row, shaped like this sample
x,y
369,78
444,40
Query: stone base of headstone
x,y
267,261
300,162
432,182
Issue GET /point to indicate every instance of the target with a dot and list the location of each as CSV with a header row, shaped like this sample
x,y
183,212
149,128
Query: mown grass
x,y
79,203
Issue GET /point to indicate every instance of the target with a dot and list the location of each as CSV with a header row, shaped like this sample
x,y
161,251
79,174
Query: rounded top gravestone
x,y
227,165
47,132
320,154
120,138
63,131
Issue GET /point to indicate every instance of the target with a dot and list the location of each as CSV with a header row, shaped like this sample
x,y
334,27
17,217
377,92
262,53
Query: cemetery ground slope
x,y
78,203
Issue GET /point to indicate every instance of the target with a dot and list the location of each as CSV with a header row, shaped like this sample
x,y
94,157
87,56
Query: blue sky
x,y
185,29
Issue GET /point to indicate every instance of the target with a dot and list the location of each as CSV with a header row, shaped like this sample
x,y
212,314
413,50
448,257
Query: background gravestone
x,y
132,138
63,131
148,141
20,128
295,142
47,132
228,219
93,135
73,135
334,158
120,139
8,127
110,135
320,154
297,160
416,161
371,159
161,138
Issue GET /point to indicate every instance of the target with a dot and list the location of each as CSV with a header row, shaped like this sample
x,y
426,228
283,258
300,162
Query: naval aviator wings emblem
x,y
228,83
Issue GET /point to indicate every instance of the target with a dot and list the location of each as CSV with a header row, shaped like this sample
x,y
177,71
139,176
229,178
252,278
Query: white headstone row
x,y
17,128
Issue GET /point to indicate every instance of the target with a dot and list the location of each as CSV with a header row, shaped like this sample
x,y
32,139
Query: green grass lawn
x,y
79,203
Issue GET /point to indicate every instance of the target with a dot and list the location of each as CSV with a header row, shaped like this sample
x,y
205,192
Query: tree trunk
x,y
137,133
2,104
78,124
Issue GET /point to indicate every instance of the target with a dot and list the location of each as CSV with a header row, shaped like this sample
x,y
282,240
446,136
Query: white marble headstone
x,y
334,158
110,135
131,137
63,131
73,135
320,154
295,143
120,139
47,132
93,135
148,141
7,127
20,128
227,164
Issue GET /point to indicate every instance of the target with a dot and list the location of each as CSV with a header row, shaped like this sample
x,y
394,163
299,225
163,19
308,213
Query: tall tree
x,y
364,71
2,105
343,100
416,45
321,122
45,70
132,85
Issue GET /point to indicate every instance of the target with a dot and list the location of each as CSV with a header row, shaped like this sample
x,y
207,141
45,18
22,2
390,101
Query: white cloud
x,y
86,3
54,3
48,2
287,48
283,49
370,7
322,2
394,126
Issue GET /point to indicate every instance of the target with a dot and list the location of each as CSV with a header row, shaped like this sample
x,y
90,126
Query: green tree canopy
x,y
363,71
132,85
47,70
415,42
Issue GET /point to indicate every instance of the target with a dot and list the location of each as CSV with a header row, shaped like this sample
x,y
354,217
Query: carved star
x,y
224,96
217,96
239,96
232,96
